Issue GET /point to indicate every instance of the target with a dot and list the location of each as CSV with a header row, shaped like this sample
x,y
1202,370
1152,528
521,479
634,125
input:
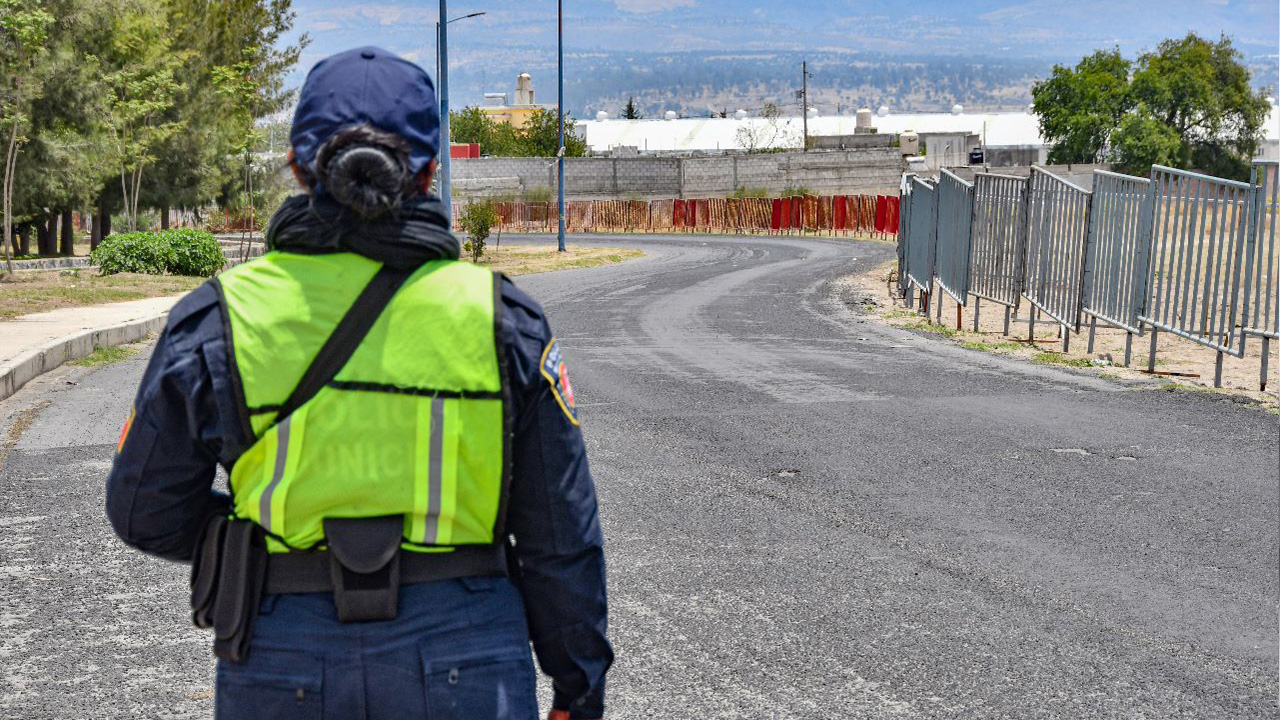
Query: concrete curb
x,y
50,263
15,374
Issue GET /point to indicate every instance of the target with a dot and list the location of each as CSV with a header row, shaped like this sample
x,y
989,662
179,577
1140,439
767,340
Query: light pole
x,y
442,75
560,109
464,17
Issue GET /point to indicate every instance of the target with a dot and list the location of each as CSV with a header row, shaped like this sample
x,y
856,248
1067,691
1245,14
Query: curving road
x,y
808,515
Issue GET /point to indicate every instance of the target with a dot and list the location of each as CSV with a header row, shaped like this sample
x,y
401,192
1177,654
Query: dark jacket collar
x,y
412,234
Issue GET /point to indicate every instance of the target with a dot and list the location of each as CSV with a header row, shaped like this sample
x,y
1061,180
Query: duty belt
x,y
363,567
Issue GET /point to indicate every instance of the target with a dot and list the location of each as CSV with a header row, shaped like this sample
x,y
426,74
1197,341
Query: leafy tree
x,y
1188,104
471,125
1080,107
540,137
235,77
142,87
1201,91
24,27
631,112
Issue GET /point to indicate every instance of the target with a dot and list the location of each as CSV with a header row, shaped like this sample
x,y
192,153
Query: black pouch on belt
x,y
364,563
204,570
241,575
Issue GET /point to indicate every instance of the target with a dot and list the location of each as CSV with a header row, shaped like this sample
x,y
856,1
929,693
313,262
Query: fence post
x,y
1151,355
977,308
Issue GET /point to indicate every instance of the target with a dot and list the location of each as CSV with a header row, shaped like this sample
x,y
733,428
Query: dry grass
x,y
41,290
1191,365
527,259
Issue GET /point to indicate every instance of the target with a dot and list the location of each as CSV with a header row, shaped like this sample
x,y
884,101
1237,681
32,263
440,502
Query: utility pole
x,y
804,101
446,149
560,110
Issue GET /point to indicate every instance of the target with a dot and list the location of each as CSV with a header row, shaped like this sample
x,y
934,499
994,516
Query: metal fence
x,y
921,233
955,219
1263,316
1116,259
904,229
1200,253
1179,252
1057,230
998,247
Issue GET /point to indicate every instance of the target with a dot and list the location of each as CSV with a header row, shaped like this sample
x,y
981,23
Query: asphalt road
x,y
808,515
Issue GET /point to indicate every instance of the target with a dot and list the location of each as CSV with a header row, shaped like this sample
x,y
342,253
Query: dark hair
x,y
365,169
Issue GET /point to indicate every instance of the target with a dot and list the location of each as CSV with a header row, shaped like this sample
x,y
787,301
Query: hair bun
x,y
365,169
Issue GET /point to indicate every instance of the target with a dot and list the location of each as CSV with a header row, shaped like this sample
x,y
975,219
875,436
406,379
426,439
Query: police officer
x,y
409,499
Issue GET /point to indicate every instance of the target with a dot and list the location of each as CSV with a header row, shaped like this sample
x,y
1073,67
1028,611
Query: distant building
x,y
517,112
1006,138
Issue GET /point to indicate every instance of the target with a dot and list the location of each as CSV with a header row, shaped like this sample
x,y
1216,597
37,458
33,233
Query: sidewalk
x,y
34,344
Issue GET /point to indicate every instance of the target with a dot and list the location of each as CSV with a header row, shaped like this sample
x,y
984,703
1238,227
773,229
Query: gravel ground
x,y
808,515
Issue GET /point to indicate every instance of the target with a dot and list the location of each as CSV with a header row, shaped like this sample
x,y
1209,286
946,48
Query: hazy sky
x,y
1052,28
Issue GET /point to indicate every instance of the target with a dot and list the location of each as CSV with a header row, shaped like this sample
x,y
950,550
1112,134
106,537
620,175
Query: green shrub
x,y
476,220
176,252
750,192
136,252
537,193
797,191
196,252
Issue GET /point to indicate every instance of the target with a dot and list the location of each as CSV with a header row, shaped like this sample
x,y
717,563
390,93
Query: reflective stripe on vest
x,y
414,424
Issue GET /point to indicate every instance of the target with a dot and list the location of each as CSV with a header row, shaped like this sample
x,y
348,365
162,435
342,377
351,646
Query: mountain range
x,y
700,56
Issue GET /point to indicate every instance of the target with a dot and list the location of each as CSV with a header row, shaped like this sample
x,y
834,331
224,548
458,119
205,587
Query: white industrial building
x,y
946,137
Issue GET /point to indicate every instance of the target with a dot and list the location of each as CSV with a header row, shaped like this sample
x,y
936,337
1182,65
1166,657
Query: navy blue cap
x,y
367,85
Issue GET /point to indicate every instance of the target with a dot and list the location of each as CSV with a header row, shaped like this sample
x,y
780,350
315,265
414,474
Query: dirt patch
x,y
20,423
527,259
42,290
1182,364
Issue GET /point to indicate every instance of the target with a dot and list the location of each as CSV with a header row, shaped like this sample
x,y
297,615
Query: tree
x,y
771,135
540,136
631,112
24,27
1201,91
476,220
142,88
235,77
1188,104
1080,107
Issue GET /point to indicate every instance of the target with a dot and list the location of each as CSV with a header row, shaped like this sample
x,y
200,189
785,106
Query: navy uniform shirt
x,y
185,422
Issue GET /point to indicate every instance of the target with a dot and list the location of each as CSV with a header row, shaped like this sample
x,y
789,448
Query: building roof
x,y
691,134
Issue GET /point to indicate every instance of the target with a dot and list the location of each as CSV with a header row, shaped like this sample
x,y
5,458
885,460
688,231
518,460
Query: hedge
x,y
180,251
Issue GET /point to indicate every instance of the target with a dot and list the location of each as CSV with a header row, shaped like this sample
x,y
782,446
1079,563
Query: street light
x,y
464,17
442,75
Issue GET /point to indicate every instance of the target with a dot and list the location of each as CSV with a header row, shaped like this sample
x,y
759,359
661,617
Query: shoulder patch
x,y
124,431
557,373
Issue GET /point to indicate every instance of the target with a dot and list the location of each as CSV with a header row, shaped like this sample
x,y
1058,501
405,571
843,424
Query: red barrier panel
x,y
839,212
677,214
704,214
882,214
775,219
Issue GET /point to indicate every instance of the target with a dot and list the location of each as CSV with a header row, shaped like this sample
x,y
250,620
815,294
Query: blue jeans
x,y
457,650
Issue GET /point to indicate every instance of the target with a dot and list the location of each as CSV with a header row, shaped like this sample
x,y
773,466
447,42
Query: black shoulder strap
x,y
346,337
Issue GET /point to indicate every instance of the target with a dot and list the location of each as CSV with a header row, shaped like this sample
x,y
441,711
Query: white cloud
x,y
648,6
323,25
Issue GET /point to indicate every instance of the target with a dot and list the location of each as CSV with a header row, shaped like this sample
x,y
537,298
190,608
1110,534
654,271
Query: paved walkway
x,y
36,343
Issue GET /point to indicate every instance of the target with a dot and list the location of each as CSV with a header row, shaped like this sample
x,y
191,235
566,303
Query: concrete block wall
x,y
829,172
